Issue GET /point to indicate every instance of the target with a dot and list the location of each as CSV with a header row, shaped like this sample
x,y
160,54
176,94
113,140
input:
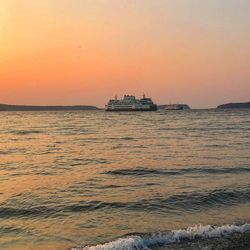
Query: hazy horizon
x,y
102,107
85,52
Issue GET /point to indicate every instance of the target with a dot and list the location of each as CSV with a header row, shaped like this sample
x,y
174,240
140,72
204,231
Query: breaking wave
x,y
144,242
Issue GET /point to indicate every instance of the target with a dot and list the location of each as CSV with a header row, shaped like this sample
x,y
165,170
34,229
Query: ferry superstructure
x,y
130,103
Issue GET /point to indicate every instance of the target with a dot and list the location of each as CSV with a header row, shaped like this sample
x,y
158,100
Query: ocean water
x,y
99,180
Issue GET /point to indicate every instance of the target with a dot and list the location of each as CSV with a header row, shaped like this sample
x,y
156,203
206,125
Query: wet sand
x,y
237,241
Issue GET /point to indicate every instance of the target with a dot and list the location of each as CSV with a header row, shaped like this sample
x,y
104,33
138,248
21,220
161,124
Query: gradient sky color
x,y
86,51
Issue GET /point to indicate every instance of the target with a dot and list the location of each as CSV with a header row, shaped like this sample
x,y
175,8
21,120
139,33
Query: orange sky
x,y
86,51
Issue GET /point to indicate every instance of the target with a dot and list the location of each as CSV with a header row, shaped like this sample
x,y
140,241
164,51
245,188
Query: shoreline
x,y
234,241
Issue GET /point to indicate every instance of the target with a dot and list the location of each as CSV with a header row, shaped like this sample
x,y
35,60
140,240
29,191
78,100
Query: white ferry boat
x,y
174,107
130,103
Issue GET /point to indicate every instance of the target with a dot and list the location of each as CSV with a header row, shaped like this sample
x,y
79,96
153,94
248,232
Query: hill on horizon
x,y
231,105
9,107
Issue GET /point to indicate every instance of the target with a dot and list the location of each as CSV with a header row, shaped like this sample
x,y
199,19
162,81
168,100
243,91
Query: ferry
x,y
174,107
130,103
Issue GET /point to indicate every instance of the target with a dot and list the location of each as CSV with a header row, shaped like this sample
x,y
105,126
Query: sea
x,y
126,180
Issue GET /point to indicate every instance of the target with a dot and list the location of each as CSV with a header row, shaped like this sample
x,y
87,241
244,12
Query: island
x,y
236,105
7,107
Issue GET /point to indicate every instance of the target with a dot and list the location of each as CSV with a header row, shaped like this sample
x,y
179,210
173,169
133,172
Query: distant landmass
x,y
181,106
7,107
238,105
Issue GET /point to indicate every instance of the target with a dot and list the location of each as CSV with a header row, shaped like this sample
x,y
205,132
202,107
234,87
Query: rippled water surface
x,y
74,178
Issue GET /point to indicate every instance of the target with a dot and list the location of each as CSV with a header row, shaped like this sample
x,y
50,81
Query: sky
x,y
70,52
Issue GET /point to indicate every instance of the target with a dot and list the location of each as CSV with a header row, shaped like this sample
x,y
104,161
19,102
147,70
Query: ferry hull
x,y
131,110
174,109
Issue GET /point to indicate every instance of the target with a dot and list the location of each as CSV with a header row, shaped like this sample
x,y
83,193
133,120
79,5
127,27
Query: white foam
x,y
143,242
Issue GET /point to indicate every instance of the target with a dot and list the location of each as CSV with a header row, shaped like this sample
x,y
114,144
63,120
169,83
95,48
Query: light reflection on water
x,y
73,177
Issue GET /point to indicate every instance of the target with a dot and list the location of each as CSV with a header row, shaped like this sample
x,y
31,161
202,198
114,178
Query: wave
x,y
10,230
42,211
170,204
26,132
180,171
143,242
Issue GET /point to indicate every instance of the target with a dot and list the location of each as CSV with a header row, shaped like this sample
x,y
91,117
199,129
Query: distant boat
x,y
130,103
174,107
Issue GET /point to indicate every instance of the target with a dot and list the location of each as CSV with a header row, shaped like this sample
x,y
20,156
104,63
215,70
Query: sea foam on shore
x,y
156,240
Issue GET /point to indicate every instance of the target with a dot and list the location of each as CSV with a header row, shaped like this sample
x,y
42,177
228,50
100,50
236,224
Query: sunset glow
x,y
70,52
